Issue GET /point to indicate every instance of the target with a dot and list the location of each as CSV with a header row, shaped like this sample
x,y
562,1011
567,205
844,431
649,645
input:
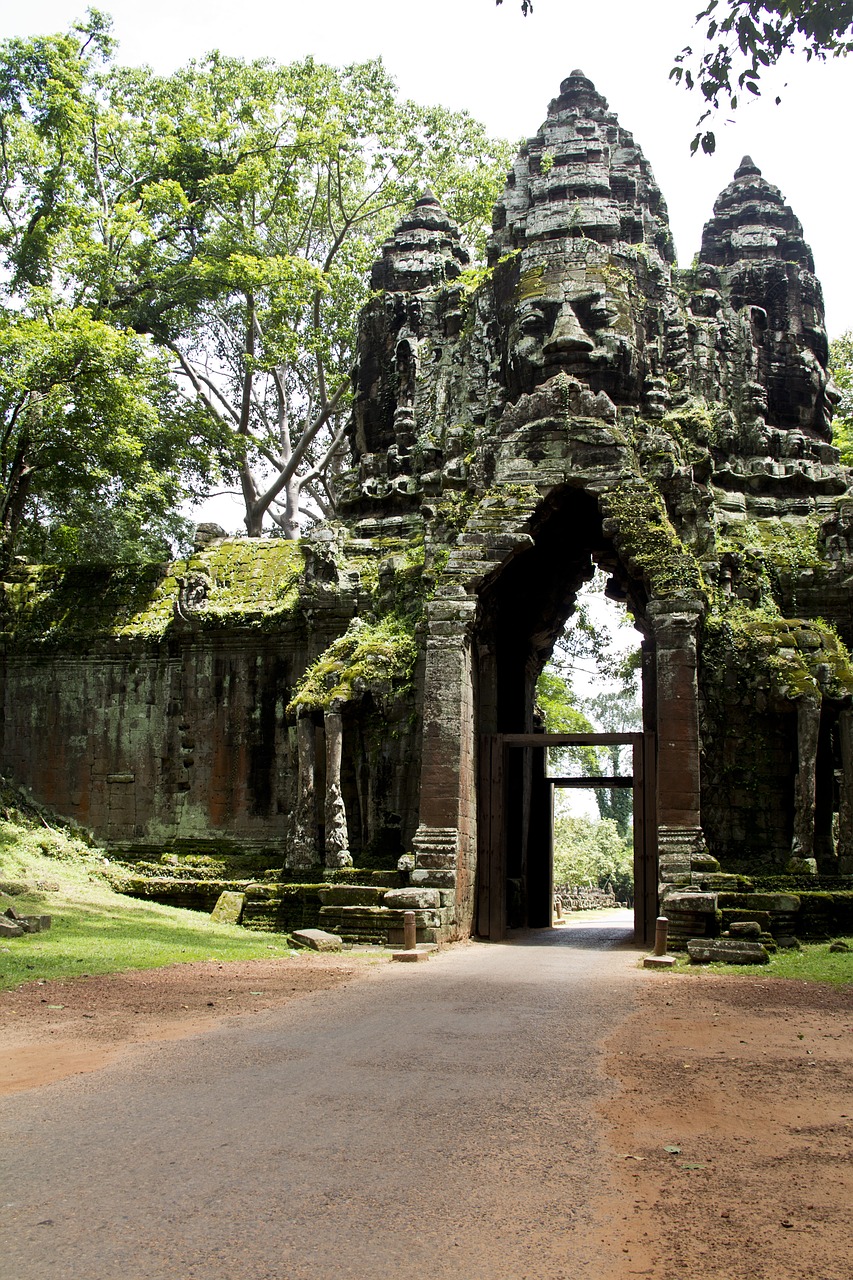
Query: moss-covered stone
x,y
240,582
646,538
369,655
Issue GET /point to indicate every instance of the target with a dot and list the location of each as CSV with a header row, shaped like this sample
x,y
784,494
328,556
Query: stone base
x,y
658,962
412,957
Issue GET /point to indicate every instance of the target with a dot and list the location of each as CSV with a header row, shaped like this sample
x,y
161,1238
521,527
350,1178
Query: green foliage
x,y
561,714
746,36
97,441
617,711
229,212
593,853
841,366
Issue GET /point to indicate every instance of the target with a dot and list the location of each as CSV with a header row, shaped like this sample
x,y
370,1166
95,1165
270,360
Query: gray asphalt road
x,y
432,1120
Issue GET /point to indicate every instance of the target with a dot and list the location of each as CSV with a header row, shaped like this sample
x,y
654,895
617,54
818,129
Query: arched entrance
x,y
504,596
523,607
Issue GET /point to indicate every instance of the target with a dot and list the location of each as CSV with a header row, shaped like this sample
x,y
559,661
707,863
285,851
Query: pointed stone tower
x,y
755,259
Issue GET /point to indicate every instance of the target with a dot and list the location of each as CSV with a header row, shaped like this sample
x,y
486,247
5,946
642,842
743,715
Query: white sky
x,y
504,69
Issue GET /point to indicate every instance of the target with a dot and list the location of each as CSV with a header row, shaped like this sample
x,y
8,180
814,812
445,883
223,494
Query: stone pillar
x,y
337,835
445,842
675,624
808,731
303,851
845,800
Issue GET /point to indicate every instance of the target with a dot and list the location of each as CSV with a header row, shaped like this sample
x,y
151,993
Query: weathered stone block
x,y
727,950
745,929
413,899
317,940
351,895
436,879
704,903
229,907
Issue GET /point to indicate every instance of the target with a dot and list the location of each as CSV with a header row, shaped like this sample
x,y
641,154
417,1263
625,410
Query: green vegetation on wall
x,y
368,655
234,583
647,541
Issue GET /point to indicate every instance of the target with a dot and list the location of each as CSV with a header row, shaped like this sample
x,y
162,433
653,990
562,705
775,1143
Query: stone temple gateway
x,y
326,707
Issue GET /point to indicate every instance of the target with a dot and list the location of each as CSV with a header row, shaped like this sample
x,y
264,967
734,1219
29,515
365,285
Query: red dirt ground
x,y
750,1079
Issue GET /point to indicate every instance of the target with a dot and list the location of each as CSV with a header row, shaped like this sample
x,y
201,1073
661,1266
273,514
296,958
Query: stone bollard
x,y
411,950
659,959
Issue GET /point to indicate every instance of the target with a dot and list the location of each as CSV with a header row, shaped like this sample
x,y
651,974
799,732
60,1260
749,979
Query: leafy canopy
x,y
207,236
743,37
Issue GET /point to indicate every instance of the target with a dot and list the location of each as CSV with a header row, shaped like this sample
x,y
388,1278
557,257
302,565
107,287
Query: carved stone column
x,y
845,800
304,852
676,626
337,835
444,844
808,730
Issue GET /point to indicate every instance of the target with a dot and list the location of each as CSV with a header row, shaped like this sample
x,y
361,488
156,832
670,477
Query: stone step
x,y
352,895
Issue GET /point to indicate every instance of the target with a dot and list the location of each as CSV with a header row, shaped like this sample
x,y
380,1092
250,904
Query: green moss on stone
x,y
648,542
790,658
369,655
247,581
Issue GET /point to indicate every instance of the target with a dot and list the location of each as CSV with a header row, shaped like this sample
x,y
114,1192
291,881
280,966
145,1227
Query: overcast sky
x,y
505,68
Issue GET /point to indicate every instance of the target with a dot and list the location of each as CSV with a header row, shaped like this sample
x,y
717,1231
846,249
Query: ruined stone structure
x,y
577,402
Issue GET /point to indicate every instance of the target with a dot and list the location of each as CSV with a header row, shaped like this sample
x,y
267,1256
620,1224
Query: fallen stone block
x,y
727,951
35,924
10,928
317,940
229,907
658,962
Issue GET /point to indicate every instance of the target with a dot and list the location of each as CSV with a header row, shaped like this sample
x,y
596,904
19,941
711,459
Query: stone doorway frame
x,y
492,828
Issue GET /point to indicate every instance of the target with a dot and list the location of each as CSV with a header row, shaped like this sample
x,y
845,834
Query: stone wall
x,y
152,704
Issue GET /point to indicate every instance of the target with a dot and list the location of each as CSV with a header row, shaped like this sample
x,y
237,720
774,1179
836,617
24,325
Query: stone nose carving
x,y
568,335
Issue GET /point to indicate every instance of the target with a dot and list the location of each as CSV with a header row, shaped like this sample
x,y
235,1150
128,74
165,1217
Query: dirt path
x,y
499,1112
752,1081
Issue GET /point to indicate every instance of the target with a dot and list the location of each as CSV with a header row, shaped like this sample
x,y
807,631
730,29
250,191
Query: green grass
x,y
814,963
95,929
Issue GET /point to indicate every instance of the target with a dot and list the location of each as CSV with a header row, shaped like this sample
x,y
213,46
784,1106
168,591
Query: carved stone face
x,y
579,320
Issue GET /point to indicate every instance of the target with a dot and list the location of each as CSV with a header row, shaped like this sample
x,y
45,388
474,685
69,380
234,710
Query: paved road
x,y
432,1120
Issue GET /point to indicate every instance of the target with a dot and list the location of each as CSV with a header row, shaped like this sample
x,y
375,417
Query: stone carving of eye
x,y
532,320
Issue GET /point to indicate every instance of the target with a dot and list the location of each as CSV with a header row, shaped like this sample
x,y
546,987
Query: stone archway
x,y
506,593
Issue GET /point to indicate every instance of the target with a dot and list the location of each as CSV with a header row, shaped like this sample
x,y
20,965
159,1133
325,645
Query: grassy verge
x,y
95,929
814,963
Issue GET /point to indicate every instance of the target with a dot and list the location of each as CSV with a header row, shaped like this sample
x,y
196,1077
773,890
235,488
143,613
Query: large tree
x,y
97,445
225,215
